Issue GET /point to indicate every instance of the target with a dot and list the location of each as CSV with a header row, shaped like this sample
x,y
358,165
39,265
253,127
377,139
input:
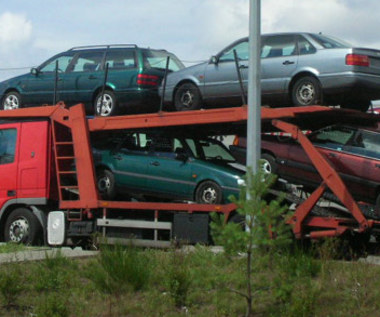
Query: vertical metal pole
x,y
254,87
164,82
55,83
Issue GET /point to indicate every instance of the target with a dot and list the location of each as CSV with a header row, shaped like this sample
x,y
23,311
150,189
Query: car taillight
x,y
357,60
150,80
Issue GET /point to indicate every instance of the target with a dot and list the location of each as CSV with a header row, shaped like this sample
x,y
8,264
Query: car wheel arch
x,y
185,81
99,89
299,75
8,90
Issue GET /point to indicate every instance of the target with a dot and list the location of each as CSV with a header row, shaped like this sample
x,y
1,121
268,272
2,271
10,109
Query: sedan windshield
x,y
209,149
329,42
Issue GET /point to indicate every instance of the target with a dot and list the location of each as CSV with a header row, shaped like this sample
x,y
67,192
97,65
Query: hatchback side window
x,y
8,138
242,52
278,46
305,47
121,59
63,63
88,62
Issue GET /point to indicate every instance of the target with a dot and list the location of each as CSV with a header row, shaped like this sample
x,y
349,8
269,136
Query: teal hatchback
x,y
147,165
134,74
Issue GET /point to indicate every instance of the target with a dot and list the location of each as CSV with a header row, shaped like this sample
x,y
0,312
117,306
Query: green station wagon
x,y
134,75
147,165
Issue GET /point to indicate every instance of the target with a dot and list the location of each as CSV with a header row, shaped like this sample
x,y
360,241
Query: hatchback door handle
x,y
287,63
155,163
92,77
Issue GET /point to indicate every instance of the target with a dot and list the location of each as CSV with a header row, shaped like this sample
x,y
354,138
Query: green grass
x,y
189,284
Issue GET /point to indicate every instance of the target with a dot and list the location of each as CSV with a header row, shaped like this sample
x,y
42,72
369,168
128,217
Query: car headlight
x,y
241,182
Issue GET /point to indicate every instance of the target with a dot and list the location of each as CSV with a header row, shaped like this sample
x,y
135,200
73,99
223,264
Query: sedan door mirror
x,y
34,71
214,60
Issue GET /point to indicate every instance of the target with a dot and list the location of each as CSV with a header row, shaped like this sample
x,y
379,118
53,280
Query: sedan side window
x,y
278,46
63,63
241,50
305,47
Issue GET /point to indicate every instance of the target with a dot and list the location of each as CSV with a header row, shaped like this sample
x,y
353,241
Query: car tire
x,y
22,226
110,106
208,192
11,101
187,97
106,184
306,91
268,164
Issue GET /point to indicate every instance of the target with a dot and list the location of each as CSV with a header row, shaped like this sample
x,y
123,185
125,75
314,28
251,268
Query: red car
x,y
353,151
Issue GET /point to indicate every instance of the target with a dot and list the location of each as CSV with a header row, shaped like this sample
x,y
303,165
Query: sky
x,y
31,31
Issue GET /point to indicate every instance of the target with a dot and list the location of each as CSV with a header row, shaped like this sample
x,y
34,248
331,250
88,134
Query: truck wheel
x,y
109,105
269,164
12,100
187,97
106,184
208,192
306,91
22,226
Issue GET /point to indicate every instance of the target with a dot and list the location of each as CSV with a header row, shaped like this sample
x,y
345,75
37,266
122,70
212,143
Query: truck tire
x,y
187,97
106,184
22,226
109,107
208,192
12,100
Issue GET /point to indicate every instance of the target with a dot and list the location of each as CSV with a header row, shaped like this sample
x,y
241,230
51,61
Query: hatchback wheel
x,y
187,97
306,91
106,184
208,192
268,164
109,105
12,100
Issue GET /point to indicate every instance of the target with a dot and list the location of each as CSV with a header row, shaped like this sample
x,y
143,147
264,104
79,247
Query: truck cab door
x,y
8,161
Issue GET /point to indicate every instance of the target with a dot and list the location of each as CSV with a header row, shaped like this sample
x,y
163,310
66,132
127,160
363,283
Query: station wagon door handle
x,y
243,66
155,163
377,165
92,77
287,63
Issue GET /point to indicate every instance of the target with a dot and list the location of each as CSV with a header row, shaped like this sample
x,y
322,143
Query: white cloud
x,y
15,29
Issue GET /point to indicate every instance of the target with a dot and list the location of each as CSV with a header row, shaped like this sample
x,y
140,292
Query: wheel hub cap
x,y
104,184
187,98
18,230
209,195
104,108
11,102
305,94
266,167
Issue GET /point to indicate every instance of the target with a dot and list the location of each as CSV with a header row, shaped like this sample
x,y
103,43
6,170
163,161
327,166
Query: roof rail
x,y
102,46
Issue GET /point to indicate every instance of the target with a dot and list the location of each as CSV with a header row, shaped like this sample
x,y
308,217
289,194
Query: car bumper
x,y
352,83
